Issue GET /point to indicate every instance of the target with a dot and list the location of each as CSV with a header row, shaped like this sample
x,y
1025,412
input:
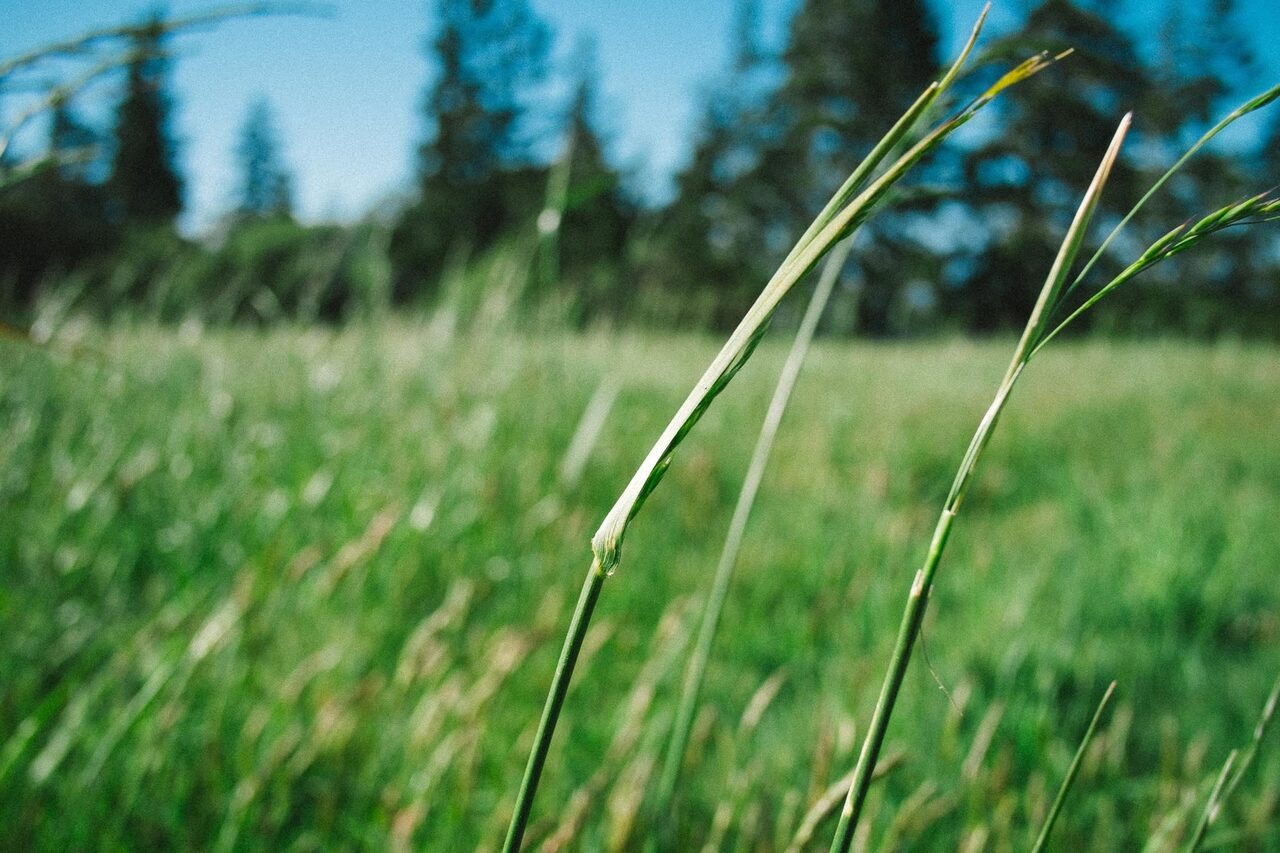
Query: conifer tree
x,y
144,180
474,174
1023,181
707,258
852,67
266,188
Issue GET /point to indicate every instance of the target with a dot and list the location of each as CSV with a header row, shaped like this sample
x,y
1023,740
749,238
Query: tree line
x,y
503,169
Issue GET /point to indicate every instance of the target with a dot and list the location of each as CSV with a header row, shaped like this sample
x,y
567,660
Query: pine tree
x,y
266,189
74,144
475,177
144,178
57,218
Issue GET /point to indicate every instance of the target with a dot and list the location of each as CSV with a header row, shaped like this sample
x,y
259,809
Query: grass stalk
x,y
695,672
922,584
551,218
86,42
1233,770
1047,828
851,205
1212,807
555,699
1038,332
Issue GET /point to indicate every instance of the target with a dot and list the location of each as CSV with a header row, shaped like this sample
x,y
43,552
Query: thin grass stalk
x,y
1254,210
1047,828
841,216
830,799
917,598
696,671
1039,331
1233,770
555,699
1212,807
1255,103
1259,732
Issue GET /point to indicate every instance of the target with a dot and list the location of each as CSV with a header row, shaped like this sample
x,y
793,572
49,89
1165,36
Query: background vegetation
x,y
504,165
303,589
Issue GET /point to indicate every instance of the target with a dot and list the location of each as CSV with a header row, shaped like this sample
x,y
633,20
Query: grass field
x,y
303,590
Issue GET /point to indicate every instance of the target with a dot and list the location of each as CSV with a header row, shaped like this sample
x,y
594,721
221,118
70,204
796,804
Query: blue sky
x,y
347,89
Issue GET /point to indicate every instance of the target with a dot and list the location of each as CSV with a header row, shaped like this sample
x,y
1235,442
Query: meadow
x,y
304,588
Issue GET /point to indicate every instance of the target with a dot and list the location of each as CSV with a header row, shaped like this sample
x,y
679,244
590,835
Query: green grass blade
x,y
607,542
1251,211
1043,839
917,598
1255,103
1212,807
1233,770
555,699
858,178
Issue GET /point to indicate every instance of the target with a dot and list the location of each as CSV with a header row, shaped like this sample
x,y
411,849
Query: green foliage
x,y
55,221
778,129
263,270
705,250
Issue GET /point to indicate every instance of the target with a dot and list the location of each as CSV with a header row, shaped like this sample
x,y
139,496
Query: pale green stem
x,y
1255,103
839,219
696,670
1228,780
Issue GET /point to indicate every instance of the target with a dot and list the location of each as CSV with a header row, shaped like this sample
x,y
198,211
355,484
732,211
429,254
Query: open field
x,y
304,590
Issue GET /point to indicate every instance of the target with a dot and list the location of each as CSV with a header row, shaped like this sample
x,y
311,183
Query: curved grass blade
x,y
1253,104
1211,808
1251,211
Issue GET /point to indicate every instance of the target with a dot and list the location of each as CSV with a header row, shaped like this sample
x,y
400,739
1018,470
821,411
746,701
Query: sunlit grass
x,y
305,588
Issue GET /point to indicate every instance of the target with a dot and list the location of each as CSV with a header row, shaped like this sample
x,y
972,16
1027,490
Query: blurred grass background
x,y
303,588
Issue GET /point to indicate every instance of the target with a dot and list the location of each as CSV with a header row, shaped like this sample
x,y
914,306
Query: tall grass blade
x,y
838,219
1212,807
1255,103
1038,332
1043,839
83,43
1251,211
917,598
